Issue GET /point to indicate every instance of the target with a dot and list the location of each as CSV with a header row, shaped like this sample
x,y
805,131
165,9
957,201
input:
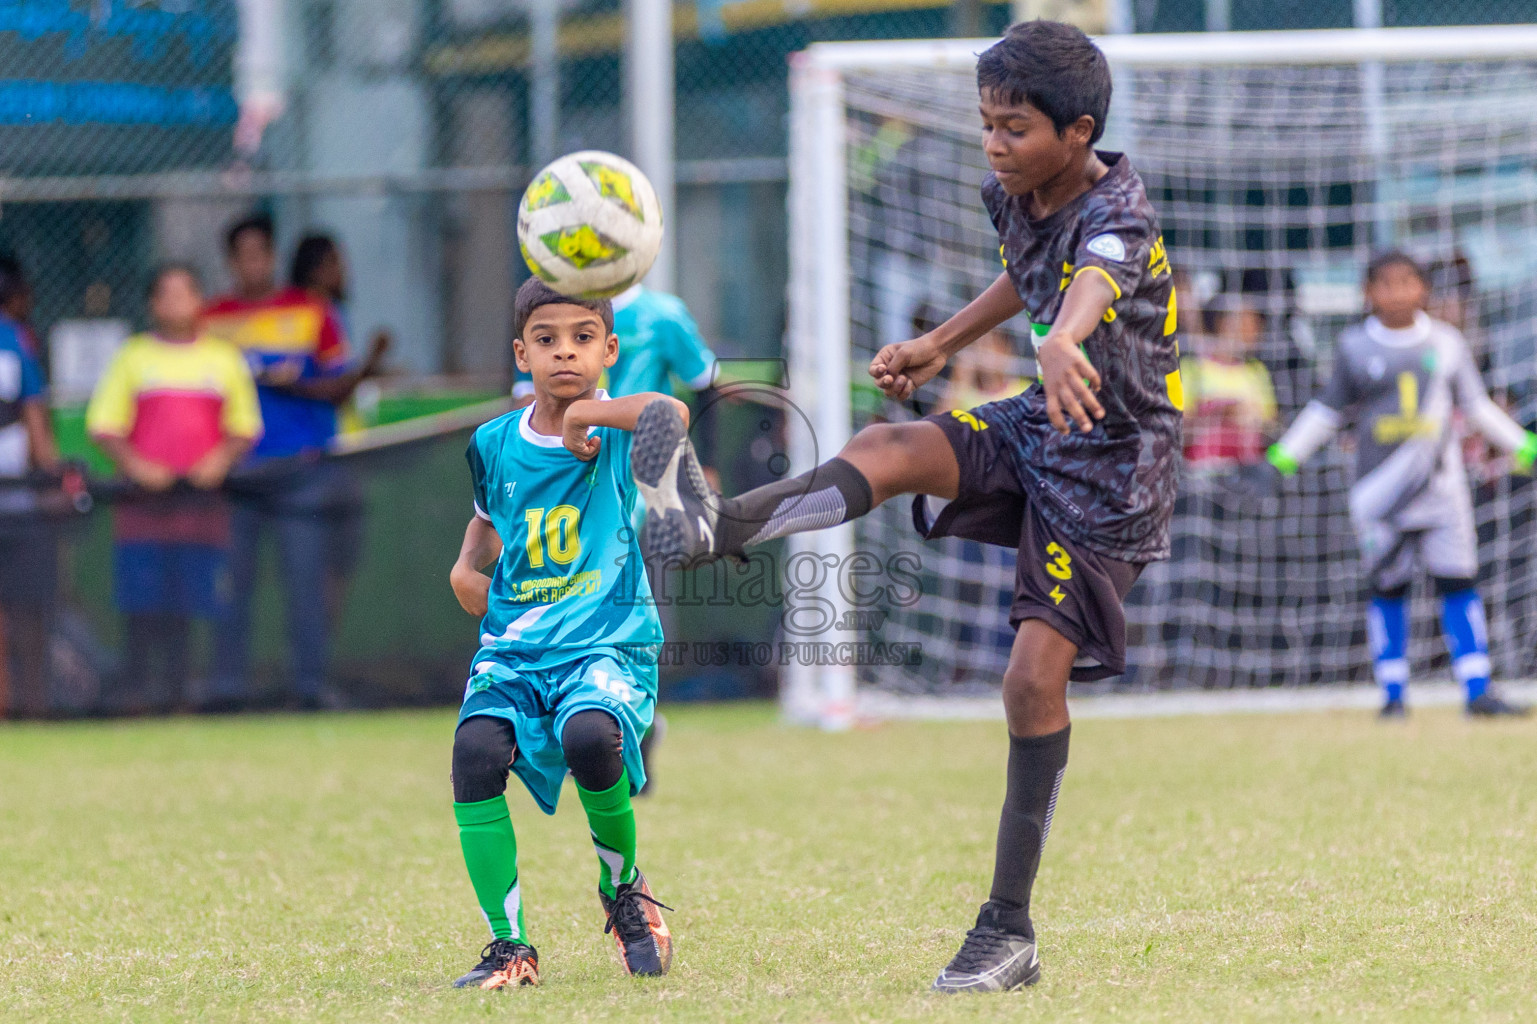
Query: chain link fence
x,y
1254,15
408,133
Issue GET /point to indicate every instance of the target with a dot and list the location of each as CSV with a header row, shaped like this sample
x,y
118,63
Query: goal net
x,y
1278,162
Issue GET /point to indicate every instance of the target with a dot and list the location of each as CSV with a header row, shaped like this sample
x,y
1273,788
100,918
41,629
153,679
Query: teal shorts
x,y
539,701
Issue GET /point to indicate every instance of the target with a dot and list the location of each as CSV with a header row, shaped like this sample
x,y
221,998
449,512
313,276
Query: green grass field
x,y
1317,867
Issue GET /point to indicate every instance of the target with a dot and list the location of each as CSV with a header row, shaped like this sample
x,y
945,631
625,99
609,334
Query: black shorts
x,y
1076,591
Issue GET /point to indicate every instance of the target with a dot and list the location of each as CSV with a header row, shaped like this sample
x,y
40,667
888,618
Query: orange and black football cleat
x,y
520,967
635,918
492,959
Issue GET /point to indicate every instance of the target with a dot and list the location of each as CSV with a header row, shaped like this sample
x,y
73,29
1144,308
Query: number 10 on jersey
x,y
552,534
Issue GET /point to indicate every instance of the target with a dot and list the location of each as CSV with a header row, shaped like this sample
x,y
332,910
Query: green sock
x,y
491,855
612,822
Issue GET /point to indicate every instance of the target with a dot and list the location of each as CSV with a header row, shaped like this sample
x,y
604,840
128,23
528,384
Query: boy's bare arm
x,y
618,413
481,547
338,389
151,476
901,369
45,452
209,471
1067,376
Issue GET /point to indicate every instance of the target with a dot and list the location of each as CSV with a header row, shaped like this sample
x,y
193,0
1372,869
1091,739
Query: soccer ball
x,y
590,225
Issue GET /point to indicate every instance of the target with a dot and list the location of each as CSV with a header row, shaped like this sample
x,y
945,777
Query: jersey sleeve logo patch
x,y
1109,247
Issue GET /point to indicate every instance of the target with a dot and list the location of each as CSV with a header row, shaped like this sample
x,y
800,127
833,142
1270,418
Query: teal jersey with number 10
x,y
570,582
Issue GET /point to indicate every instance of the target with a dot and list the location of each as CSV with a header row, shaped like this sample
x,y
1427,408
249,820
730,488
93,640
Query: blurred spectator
x,y
16,305
29,548
175,406
297,347
982,372
1230,406
320,269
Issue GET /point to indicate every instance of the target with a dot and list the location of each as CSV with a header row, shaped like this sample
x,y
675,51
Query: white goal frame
x,y
819,342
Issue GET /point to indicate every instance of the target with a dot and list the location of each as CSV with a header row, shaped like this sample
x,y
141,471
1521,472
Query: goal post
x,y
813,693
1291,155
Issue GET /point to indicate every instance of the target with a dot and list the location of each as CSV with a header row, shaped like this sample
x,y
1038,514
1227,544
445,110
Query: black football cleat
x,y
1488,705
1394,710
681,509
991,960
635,919
502,963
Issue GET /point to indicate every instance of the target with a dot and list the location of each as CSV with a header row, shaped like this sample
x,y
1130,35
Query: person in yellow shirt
x,y
175,410
1230,405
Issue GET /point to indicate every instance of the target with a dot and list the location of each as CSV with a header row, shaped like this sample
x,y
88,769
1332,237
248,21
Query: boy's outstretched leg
x,y
686,520
1000,951
1467,640
593,744
483,749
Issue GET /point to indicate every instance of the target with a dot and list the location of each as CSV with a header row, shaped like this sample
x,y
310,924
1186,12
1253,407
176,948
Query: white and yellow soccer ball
x,y
590,225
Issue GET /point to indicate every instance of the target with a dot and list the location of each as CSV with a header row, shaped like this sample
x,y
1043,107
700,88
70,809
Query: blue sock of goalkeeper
x,y
1388,629
1467,634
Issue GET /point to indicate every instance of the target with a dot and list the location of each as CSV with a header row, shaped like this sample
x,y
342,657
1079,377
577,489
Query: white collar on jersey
x,y
1401,337
625,297
526,426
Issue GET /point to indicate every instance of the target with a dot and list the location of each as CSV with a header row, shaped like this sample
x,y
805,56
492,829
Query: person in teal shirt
x,y
565,677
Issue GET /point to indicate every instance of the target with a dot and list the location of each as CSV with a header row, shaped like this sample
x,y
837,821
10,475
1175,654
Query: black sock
x,y
833,493
1036,765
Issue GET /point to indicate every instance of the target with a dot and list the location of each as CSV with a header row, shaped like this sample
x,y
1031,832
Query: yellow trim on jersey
x,y
1102,270
1175,385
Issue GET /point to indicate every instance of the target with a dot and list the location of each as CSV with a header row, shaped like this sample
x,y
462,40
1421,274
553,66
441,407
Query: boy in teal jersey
x,y
658,340
565,678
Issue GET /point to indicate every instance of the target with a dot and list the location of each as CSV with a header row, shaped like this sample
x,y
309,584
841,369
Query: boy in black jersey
x,y
1078,473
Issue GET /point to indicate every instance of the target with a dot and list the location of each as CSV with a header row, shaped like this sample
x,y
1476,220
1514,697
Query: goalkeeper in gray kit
x,y
1401,378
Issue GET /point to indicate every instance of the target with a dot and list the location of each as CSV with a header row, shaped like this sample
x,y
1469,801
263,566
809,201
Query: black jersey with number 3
x,y
1111,489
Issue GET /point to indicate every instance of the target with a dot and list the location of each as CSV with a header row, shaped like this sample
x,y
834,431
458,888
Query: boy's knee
x,y
1031,697
483,748
878,438
594,749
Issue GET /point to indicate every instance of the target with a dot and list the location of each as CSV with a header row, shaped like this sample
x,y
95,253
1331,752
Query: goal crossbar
x,y
1311,46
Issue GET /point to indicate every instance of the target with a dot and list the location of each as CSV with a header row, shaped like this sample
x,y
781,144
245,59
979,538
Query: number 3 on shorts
x,y
1060,563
